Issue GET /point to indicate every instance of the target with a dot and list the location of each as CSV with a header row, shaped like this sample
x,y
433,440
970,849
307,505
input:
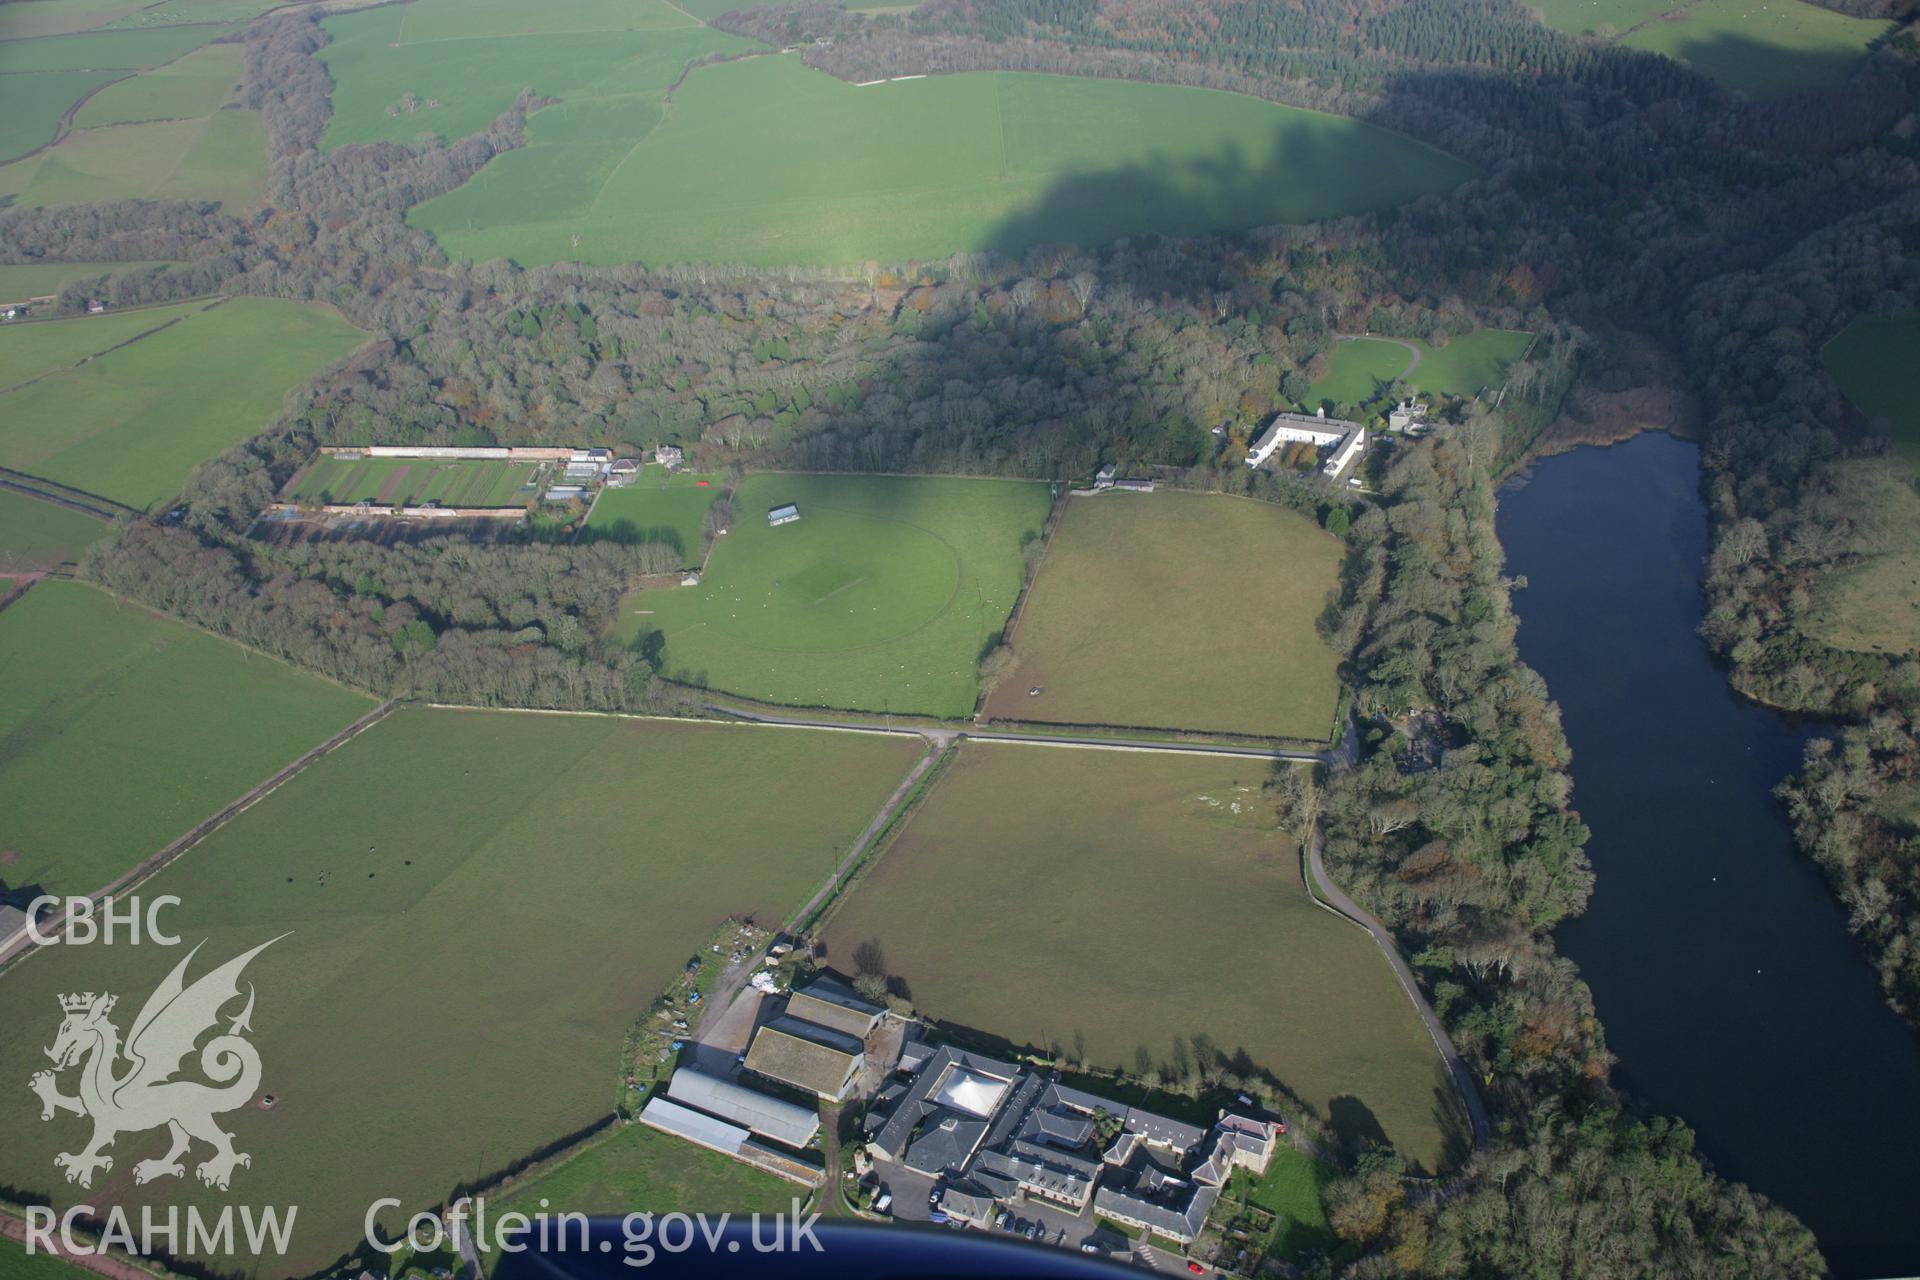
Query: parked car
x,y
1003,1220
1033,1231
933,1197
1196,1268
937,1217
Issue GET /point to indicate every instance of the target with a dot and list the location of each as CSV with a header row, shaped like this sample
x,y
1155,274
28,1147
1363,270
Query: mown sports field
x,y
477,905
459,482
133,420
1178,611
660,507
751,164
882,597
1465,366
1108,902
120,729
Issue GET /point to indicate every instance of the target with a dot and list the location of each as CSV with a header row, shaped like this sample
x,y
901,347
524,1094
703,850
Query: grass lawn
x,y
1178,611
17,284
881,597
480,903
1291,1190
661,506
1871,604
466,62
1110,903
1762,47
120,729
636,1169
222,156
1598,17
1870,359
411,481
752,164
39,535
132,423
189,88
1464,367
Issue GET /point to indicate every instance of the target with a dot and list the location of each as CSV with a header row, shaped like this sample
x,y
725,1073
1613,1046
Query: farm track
x,y
81,501
154,863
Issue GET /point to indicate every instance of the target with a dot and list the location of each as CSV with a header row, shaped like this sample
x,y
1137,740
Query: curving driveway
x,y
1412,350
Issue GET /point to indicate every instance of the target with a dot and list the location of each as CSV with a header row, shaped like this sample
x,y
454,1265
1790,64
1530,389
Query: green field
x,y
39,535
222,156
466,62
32,104
1465,366
192,87
641,1170
881,598
1871,602
121,729
33,350
132,423
480,903
1762,47
661,507
1870,359
18,283
1117,901
17,1264
1291,1189
752,165
1178,611
1606,18
414,481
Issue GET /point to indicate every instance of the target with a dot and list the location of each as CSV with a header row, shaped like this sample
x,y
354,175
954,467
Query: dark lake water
x,y
1719,961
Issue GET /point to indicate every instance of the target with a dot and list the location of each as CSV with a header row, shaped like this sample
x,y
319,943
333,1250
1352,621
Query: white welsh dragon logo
x,y
145,1095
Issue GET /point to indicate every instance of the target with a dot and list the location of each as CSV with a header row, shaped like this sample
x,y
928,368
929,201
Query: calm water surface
x,y
1719,961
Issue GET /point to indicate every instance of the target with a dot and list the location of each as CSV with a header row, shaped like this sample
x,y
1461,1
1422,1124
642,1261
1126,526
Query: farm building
x,y
1003,1135
622,472
807,1057
695,1127
783,515
565,493
828,1004
1347,453
770,1117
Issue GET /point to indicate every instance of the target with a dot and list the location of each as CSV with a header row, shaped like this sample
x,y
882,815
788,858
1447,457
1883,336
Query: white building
x,y
669,456
1408,415
1347,453
1298,428
783,515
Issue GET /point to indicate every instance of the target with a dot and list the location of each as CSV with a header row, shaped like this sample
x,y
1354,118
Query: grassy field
x,y
1109,903
465,62
32,104
19,283
1178,611
1872,603
130,424
881,598
641,1170
34,350
39,535
120,730
192,87
480,903
1762,47
661,507
17,1264
222,156
1465,366
1606,18
752,165
1870,359
413,481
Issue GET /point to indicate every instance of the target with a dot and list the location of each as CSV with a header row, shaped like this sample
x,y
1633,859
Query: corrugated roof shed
x,y
685,1122
764,1114
828,1004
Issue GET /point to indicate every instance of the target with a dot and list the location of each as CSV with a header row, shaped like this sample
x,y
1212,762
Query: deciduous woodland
x,y
1620,196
